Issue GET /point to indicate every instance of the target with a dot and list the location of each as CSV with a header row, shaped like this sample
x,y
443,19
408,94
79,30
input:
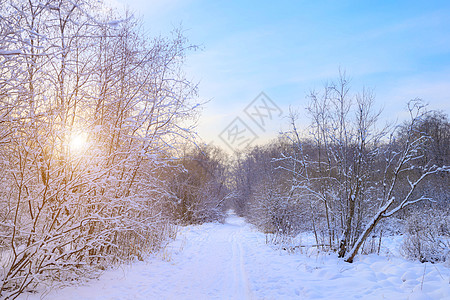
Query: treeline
x,y
92,125
200,186
344,175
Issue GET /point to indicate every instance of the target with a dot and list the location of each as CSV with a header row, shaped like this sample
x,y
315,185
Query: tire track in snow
x,y
241,284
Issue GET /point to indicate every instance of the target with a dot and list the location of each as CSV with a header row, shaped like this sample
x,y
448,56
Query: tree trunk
x,y
348,228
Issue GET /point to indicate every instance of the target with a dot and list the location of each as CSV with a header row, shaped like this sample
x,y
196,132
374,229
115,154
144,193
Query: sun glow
x,y
78,142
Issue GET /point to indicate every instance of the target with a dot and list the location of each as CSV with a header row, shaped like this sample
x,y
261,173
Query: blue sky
x,y
400,49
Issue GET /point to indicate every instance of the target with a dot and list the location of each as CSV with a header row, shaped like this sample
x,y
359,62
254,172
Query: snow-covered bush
x,y
427,236
263,191
90,113
273,211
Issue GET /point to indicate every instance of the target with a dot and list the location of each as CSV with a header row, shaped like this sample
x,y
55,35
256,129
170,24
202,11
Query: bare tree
x,y
91,112
402,163
355,168
198,185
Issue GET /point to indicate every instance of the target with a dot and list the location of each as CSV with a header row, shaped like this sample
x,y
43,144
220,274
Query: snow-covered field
x,y
232,261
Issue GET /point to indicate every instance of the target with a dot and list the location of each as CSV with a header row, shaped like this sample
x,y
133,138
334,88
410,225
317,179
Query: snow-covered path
x,y
211,265
232,261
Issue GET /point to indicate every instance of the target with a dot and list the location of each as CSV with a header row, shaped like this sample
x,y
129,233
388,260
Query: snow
x,y
11,52
232,261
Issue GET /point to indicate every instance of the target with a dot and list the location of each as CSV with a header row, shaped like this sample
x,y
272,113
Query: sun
x,y
78,142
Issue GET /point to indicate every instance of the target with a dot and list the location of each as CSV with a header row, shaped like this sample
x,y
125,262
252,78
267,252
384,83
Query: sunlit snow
x,y
232,261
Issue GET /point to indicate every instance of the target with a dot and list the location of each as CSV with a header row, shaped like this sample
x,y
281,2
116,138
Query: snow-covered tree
x,y
199,186
356,169
405,161
90,115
